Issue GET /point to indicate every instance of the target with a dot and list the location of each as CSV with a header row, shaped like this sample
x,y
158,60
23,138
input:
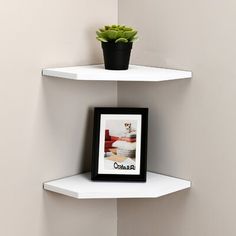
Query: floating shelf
x,y
80,186
134,73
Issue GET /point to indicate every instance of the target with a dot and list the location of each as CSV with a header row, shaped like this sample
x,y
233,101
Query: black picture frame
x,y
98,112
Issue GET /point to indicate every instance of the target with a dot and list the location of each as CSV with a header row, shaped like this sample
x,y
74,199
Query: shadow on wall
x,y
167,212
87,141
68,216
168,141
63,124
94,50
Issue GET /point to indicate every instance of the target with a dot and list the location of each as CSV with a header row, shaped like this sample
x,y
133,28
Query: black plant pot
x,y
116,55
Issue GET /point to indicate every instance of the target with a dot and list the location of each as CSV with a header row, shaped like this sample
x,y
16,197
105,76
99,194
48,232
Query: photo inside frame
x,y
120,142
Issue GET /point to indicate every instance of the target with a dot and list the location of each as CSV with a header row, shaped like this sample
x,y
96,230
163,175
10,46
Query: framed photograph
x,y
120,144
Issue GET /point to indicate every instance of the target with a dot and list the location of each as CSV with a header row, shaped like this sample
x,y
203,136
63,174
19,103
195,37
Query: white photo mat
x,y
101,159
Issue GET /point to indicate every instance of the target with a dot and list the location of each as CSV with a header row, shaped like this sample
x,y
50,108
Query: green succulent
x,y
117,33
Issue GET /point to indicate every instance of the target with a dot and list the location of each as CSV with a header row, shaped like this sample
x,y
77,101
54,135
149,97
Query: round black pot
x,y
116,55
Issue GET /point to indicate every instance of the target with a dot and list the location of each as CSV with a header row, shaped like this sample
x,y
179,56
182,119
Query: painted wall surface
x,y
192,123
46,123
45,128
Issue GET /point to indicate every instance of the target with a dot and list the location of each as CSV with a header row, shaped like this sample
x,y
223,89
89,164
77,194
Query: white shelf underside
x,y
80,186
134,73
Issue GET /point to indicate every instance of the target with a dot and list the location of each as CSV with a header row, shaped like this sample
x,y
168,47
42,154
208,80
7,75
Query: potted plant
x,y
117,41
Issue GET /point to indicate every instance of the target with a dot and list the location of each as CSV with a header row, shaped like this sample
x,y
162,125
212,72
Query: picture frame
x,y
119,144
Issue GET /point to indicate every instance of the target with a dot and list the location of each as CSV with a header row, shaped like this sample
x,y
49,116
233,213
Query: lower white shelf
x,y
80,186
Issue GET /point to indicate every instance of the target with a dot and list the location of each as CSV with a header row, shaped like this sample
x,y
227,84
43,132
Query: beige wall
x,y
192,123
44,133
45,128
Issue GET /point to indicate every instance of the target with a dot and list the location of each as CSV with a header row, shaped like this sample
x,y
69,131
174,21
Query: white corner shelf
x,y
134,73
80,186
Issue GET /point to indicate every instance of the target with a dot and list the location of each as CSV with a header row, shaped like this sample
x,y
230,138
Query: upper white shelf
x,y
134,73
80,186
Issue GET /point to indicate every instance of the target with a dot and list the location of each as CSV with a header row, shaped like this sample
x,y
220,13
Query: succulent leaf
x,y
128,29
102,39
129,34
134,39
111,34
121,40
98,33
